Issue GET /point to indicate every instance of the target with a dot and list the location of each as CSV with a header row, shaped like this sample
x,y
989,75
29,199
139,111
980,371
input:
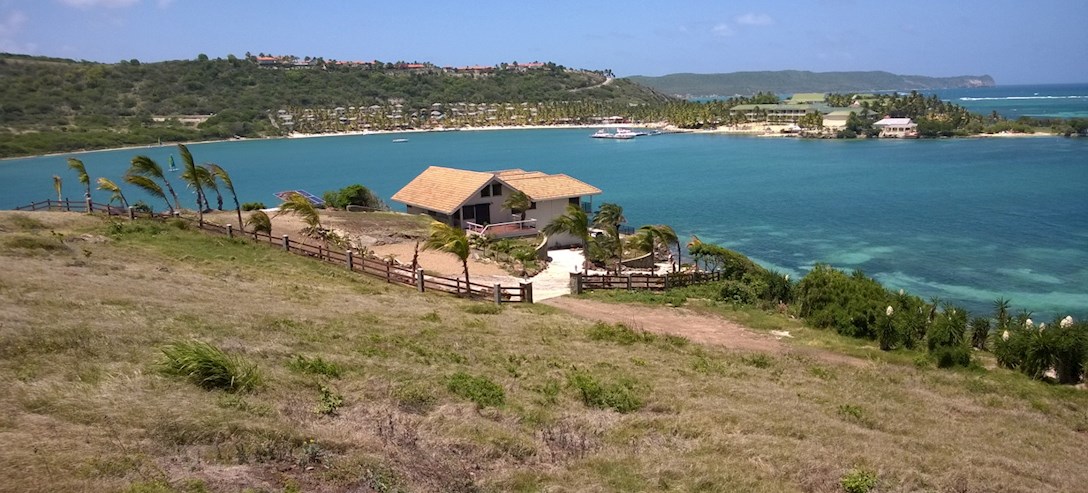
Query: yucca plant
x,y
209,367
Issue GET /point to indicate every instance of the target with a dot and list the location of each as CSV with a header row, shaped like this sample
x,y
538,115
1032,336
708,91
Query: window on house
x,y
486,192
468,213
532,205
574,200
496,189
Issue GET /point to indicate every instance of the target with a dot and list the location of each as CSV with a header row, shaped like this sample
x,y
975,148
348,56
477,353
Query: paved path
x,y
555,280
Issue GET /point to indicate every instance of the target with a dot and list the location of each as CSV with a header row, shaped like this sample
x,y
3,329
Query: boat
x,y
398,141
173,167
622,134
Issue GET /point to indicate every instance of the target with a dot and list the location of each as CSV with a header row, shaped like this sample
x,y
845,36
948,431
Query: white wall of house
x,y
545,212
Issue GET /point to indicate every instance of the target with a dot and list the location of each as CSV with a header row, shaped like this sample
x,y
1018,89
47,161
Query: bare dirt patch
x,y
697,327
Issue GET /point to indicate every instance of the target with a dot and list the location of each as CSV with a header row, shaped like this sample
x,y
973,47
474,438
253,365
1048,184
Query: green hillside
x,y
346,383
791,81
53,105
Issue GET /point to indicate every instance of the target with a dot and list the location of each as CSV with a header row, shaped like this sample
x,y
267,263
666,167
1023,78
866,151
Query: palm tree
x,y
192,176
301,206
208,179
57,187
109,186
647,236
449,239
574,222
149,186
518,202
223,176
609,218
259,222
145,166
81,172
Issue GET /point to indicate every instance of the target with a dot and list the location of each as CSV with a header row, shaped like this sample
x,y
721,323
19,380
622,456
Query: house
x,y
897,127
836,119
473,199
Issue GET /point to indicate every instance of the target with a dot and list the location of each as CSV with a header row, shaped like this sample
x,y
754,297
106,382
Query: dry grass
x,y
84,409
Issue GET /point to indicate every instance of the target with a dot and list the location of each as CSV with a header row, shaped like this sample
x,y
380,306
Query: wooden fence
x,y
650,282
382,269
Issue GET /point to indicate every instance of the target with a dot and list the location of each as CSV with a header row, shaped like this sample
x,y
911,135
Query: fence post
x,y
388,277
628,281
419,279
498,294
575,283
351,260
527,292
666,281
131,213
90,205
67,205
230,231
286,243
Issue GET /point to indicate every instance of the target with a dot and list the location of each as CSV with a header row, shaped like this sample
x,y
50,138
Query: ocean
x,y
964,220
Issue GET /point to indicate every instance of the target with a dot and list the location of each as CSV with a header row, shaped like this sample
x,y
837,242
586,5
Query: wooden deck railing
x,y
390,272
650,282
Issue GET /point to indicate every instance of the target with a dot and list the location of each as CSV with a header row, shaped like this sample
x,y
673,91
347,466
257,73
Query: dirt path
x,y
696,327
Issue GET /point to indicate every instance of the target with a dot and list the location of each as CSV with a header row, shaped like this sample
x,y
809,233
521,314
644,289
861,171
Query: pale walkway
x,y
554,281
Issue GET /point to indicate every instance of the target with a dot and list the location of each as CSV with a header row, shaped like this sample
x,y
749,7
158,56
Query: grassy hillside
x,y
369,387
792,81
54,105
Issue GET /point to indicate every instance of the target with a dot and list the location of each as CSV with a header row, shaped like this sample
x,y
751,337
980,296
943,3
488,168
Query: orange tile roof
x,y
540,187
446,189
442,189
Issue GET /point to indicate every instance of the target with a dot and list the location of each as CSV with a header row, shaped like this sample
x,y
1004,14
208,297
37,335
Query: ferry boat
x,y
622,134
398,141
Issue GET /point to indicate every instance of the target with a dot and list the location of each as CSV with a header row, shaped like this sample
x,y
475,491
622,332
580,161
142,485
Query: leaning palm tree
x,y
449,239
301,206
518,202
145,166
115,191
574,222
209,182
148,185
609,218
222,175
81,172
57,187
259,222
192,176
663,232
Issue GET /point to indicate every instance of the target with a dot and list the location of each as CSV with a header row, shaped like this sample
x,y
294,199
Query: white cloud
x,y
87,4
751,19
722,29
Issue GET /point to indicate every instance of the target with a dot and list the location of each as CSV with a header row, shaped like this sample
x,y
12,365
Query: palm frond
x,y
259,222
57,187
108,185
192,176
148,185
300,206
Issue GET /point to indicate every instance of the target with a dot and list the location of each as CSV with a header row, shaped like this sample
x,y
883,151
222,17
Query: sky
x,y
1016,42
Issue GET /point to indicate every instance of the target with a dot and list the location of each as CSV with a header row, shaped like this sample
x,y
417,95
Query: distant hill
x,y
791,81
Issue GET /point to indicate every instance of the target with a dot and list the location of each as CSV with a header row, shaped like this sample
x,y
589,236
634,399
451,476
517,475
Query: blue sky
x,y
1017,42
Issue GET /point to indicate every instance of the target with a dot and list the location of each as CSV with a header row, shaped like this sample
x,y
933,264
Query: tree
x,y
57,187
663,232
208,178
145,166
81,172
259,222
115,191
301,206
609,218
574,222
148,185
222,175
518,203
192,176
449,239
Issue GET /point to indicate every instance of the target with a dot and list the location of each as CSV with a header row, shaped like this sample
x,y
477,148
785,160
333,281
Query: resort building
x,y
473,200
776,113
836,120
897,127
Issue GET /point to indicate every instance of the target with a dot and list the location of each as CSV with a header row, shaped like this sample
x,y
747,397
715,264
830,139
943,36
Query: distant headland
x,y
792,81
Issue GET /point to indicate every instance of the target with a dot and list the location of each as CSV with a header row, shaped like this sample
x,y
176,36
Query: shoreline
x,y
764,131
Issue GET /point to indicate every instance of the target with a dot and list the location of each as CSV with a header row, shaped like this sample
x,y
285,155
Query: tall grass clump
x,y
480,390
619,396
209,367
618,333
315,366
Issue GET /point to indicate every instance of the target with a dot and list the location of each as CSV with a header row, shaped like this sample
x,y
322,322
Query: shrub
x,y
737,292
858,481
618,333
353,195
948,357
619,396
479,390
315,366
329,402
850,304
253,206
414,398
209,367
980,332
733,265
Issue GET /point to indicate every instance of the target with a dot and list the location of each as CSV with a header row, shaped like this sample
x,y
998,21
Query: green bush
x,y
329,402
618,333
948,357
479,390
209,367
315,366
849,304
858,481
253,206
737,292
619,396
733,265
353,195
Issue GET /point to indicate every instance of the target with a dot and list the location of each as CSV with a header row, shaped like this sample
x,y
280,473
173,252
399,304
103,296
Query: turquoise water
x,y
1039,101
967,220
